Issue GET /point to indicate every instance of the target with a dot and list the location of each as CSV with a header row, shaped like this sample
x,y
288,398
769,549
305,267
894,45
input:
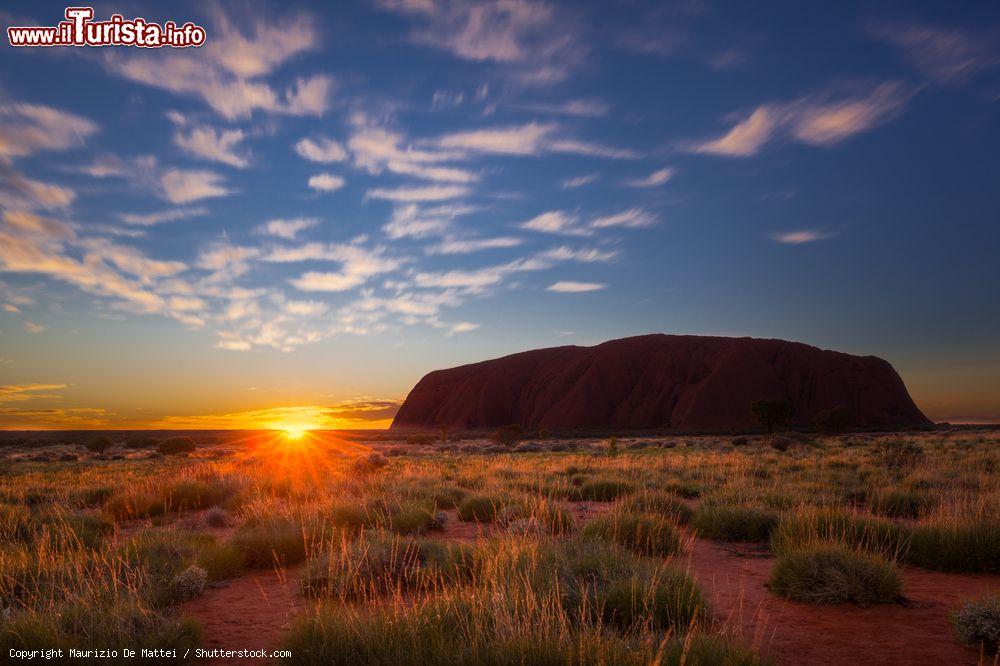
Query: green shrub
x,y
99,444
644,533
653,599
447,497
833,574
191,494
969,547
660,503
176,445
479,508
132,506
902,504
188,584
380,564
604,490
873,535
415,518
280,541
978,623
508,434
221,560
735,523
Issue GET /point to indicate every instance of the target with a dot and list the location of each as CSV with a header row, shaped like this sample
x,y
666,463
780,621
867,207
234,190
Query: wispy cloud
x,y
326,182
945,54
21,392
535,41
530,139
570,287
228,72
801,236
633,217
556,222
414,221
213,145
469,245
418,194
654,179
321,149
287,228
818,120
28,128
182,186
159,217
578,181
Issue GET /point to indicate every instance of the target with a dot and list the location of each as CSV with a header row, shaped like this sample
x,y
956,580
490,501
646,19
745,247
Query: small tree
x,y
99,444
770,413
834,419
508,434
176,445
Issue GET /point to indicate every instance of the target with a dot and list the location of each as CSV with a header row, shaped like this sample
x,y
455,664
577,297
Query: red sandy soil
x,y
917,632
252,612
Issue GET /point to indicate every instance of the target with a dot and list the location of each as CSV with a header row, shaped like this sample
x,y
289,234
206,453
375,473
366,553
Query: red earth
x,y
254,611
683,382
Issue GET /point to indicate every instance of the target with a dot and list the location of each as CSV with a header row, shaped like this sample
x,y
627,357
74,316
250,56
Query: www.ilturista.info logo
x,y
79,29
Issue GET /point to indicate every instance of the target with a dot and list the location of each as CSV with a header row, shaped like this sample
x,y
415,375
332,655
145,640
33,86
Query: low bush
x,y
274,542
972,546
902,503
173,446
99,444
644,533
735,523
604,490
873,535
834,574
221,560
978,623
479,508
657,502
188,584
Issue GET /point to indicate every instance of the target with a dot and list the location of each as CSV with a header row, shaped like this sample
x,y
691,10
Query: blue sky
x,y
299,219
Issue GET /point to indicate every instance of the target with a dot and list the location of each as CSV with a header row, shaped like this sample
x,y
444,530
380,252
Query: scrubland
x,y
548,551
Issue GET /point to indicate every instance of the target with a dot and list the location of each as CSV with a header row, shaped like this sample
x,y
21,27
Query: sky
x,y
292,223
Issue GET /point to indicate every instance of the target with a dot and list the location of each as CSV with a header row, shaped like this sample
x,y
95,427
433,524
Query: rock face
x,y
682,382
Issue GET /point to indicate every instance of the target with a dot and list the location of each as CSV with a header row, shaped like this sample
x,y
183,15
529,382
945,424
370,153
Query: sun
x,y
295,433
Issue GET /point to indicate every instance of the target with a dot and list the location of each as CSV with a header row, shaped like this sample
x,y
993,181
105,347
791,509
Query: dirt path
x,y
250,612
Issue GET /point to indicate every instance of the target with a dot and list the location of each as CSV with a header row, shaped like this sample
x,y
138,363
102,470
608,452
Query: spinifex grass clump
x,y
605,489
479,508
379,563
645,533
657,502
834,574
957,545
735,523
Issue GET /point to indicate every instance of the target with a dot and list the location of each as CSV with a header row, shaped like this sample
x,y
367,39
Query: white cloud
x,y
578,181
530,139
633,217
213,145
20,192
468,245
377,149
413,222
556,222
325,182
592,108
818,120
461,327
181,186
570,287
321,149
588,255
358,264
801,236
536,41
32,327
172,215
946,54
429,193
287,229
654,179
28,128
227,72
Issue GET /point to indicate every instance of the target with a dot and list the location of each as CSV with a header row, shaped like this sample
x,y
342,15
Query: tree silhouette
x,y
770,413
